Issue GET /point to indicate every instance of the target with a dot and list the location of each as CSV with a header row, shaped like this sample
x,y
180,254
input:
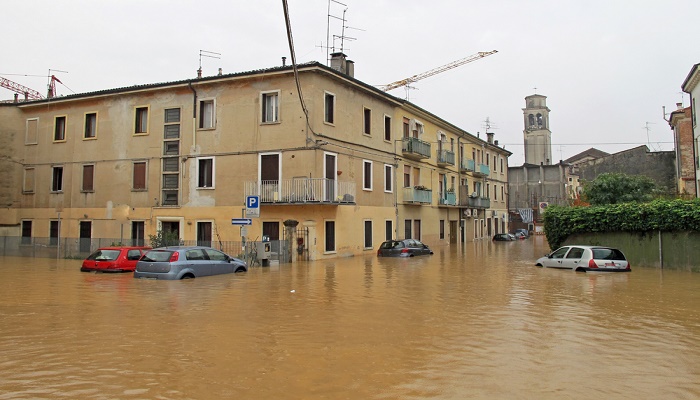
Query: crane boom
x,y
438,70
16,87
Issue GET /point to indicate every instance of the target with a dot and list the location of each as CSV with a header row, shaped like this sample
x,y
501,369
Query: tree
x,y
164,239
616,188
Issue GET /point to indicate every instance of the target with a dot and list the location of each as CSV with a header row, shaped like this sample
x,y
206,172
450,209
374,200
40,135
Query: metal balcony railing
x,y
445,157
415,147
448,199
302,191
466,166
417,195
482,170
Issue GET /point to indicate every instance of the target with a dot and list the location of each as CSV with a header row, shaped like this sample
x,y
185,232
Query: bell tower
x,y
536,135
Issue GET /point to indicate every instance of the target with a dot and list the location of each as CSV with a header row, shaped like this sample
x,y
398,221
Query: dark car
x,y
403,248
113,259
503,237
183,262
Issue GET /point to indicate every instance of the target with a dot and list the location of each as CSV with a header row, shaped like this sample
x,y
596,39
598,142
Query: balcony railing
x,y
472,199
445,157
466,166
415,148
416,195
448,199
302,191
482,170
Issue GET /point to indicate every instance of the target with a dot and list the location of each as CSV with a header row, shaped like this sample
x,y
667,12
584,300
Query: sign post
x,y
252,207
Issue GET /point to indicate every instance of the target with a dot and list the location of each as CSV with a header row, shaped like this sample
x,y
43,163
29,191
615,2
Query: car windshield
x,y
157,255
104,255
608,254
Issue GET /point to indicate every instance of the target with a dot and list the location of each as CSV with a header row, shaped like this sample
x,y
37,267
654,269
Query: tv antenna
x,y
646,128
205,53
488,125
342,35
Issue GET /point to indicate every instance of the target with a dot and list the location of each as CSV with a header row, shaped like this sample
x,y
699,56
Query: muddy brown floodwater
x,y
479,322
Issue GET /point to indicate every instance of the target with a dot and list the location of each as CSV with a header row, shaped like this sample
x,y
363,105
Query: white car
x,y
586,258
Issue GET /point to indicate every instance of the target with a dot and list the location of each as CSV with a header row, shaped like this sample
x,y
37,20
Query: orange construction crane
x,y
16,87
454,64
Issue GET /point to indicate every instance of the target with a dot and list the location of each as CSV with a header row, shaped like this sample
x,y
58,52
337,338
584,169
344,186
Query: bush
x,y
164,239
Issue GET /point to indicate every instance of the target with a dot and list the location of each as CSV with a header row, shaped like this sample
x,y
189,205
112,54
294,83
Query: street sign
x,y
241,221
252,206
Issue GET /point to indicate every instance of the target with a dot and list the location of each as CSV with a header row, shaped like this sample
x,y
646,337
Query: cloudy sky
x,y
606,67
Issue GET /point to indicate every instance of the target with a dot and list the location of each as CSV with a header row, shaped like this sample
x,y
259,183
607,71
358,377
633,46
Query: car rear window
x,y
104,255
608,254
157,255
389,245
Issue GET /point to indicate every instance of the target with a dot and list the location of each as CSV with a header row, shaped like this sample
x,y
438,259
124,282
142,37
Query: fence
x,y
80,248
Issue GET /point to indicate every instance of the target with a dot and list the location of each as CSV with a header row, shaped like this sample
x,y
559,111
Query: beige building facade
x,y
351,165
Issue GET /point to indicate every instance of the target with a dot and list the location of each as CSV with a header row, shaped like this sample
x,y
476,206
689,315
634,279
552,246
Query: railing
x,y
448,199
415,195
445,157
472,199
415,146
466,166
482,170
302,191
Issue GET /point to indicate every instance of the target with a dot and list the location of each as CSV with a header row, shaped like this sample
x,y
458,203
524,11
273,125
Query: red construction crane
x,y
16,87
437,70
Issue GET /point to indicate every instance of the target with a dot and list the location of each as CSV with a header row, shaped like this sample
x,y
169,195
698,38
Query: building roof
x,y
692,79
585,155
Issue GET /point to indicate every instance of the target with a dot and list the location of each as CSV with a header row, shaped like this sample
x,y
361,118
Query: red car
x,y
114,259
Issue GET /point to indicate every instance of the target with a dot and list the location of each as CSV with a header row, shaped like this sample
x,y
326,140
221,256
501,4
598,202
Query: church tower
x,y
537,136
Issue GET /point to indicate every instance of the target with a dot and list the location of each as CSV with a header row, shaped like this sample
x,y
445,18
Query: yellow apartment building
x,y
351,164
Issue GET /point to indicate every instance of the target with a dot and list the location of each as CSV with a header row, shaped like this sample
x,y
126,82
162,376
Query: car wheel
x,y
187,276
240,269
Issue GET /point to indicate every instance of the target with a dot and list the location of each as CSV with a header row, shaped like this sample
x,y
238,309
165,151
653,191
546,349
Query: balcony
x,y
445,158
302,191
466,166
415,149
448,199
417,195
472,199
482,170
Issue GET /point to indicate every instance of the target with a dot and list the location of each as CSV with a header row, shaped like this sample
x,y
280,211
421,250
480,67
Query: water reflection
x,y
473,322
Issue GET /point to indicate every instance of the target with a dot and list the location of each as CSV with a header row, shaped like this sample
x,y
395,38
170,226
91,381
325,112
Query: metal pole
x,y
661,251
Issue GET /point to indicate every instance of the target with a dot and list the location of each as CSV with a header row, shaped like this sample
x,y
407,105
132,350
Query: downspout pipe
x,y
194,114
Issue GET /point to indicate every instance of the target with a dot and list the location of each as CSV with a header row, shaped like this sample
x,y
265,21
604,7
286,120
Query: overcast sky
x,y
606,67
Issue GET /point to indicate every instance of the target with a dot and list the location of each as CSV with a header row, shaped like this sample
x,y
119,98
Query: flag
x,y
525,214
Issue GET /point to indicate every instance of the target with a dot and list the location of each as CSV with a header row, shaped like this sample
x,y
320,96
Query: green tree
x,y
616,188
164,239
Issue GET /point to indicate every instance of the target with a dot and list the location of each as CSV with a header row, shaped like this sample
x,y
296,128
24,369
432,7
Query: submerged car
x,y
113,259
503,237
403,248
586,258
185,262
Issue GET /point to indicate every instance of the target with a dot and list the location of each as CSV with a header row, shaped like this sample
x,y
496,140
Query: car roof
x,y
177,248
124,247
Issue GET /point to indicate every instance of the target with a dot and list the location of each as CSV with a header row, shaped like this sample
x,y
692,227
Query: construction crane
x,y
437,70
30,94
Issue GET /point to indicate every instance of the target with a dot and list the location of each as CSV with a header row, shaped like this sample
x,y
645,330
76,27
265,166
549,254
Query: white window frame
x,y
384,132
213,172
325,237
364,234
26,133
364,175
276,107
325,110
388,183
202,123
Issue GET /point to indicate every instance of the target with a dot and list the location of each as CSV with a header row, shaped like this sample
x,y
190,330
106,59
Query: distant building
x,y
536,135
691,85
574,183
682,126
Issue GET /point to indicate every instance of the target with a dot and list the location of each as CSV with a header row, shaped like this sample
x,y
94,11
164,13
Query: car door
x,y
219,262
197,261
420,248
554,260
572,258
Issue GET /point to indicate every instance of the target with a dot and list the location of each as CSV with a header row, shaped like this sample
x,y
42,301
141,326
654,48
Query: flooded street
x,y
479,322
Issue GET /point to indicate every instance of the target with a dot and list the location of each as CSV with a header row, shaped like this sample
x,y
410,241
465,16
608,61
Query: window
x,y
204,230
90,126
406,127
26,232
57,179
406,176
141,120
172,115
368,235
416,229
171,148
205,173
407,228
388,230
330,236
206,114
367,121
388,178
32,131
54,232
270,107
88,178
501,165
29,180
139,176
137,233
442,229
387,128
329,108
367,175
59,129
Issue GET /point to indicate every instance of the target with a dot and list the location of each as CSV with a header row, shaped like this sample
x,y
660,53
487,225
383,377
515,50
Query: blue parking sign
x,y
252,202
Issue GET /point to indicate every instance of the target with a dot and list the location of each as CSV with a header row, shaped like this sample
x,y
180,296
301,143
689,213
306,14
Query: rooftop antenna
x,y
409,87
646,127
342,36
488,125
328,27
51,85
205,53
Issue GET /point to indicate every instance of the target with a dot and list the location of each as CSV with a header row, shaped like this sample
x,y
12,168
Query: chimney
x,y
340,63
489,137
16,97
221,72
495,142
199,72
284,61
679,106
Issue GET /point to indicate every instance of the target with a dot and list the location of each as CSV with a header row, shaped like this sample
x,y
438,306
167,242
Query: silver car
x,y
586,258
183,262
